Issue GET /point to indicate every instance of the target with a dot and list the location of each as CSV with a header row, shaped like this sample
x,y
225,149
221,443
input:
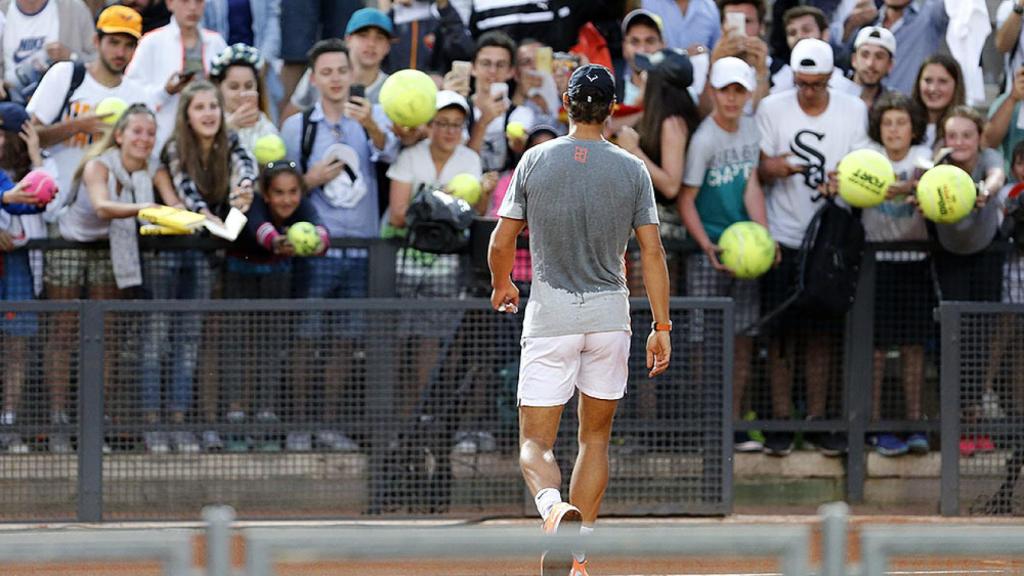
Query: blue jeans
x,y
343,273
170,275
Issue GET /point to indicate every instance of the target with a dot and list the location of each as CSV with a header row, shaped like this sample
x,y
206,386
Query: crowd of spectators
x,y
740,109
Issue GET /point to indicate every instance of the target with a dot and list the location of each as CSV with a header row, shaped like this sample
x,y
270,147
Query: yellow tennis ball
x,y
864,178
304,238
113,106
515,130
748,250
946,194
268,148
465,186
408,97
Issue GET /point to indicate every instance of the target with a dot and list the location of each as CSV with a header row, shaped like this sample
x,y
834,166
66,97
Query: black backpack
x,y
438,222
830,257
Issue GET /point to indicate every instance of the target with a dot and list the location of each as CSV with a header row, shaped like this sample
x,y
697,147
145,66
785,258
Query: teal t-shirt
x,y
719,164
1014,133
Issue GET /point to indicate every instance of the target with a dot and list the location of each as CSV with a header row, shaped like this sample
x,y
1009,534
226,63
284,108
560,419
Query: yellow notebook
x,y
182,221
157,230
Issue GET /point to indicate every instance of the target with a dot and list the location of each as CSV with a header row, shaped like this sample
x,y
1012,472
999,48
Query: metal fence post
x,y
949,412
90,411
858,374
218,539
833,538
728,344
382,269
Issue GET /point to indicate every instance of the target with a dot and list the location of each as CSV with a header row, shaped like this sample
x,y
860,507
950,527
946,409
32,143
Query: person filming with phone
x,y
237,73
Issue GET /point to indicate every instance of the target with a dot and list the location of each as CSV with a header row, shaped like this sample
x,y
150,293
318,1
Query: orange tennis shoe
x,y
566,519
578,568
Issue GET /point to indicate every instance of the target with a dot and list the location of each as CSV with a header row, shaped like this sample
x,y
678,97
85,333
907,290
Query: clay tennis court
x,y
293,564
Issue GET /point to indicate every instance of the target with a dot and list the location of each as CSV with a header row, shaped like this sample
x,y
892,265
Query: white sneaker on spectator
x,y
336,441
60,444
212,441
298,442
156,442
13,444
184,442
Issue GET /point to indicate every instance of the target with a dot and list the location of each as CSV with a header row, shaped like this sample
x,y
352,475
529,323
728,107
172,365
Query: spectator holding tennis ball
x,y
259,266
432,163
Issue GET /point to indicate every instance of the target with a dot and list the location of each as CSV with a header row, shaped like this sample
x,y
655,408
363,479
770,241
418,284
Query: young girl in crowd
x,y
203,168
939,88
964,270
111,185
904,297
236,71
20,221
259,266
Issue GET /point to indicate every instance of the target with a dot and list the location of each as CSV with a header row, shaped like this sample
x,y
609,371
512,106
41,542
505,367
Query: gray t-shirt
x,y
581,199
977,230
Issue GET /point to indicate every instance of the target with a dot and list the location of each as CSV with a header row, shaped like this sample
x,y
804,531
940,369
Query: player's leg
x,y
538,428
590,474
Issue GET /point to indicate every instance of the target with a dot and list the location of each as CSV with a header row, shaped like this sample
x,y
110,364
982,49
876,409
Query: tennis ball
x,y
748,250
268,148
515,131
304,237
465,186
864,178
40,184
113,106
408,98
946,194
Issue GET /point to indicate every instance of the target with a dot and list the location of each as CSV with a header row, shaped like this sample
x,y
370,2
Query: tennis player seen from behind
x,y
582,197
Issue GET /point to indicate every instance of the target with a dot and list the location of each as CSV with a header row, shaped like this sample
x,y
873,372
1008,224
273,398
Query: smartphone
x,y
357,90
499,90
736,21
543,59
462,68
186,75
248,96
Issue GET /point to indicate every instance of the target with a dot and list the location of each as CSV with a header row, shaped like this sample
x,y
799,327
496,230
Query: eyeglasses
x,y
446,125
816,86
492,64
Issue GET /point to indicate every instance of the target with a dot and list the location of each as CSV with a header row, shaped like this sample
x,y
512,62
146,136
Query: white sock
x,y
546,499
7,418
581,555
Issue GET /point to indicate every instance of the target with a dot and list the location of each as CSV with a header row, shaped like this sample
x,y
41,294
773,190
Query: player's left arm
x,y
655,271
500,258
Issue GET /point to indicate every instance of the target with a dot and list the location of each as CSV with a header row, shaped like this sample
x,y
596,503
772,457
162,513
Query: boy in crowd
x,y
641,34
874,52
720,187
804,22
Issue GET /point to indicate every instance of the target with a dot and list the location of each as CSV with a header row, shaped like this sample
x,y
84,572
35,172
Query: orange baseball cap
x,y
120,20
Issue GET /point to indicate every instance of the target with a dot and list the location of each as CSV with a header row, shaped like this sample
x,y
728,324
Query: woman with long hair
x,y
237,72
938,89
204,168
112,183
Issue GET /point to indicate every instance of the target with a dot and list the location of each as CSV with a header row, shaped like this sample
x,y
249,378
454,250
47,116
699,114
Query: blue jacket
x,y
266,23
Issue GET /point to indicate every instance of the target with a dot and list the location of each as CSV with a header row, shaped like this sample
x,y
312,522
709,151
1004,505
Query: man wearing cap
x,y
582,198
804,134
720,188
874,52
67,119
368,36
36,34
641,34
918,26
802,22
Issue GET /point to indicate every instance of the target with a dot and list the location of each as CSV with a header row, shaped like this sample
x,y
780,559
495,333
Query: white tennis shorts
x,y
552,368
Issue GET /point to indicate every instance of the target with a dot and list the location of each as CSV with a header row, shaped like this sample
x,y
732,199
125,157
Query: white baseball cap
x,y
877,36
446,98
732,70
812,56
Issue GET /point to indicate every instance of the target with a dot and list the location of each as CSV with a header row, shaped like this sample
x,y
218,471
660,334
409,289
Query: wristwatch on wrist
x,y
1018,8
659,327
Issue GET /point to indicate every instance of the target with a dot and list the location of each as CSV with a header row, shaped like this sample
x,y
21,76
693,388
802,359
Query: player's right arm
x,y
655,271
501,255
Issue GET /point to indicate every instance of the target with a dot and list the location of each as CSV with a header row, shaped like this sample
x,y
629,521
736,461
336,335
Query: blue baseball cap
x,y
12,116
367,17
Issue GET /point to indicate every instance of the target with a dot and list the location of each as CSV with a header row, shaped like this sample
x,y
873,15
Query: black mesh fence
x,y
316,408
986,392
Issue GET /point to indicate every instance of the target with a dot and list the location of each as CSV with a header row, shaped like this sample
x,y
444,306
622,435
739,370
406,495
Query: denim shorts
x,y
303,22
342,273
16,285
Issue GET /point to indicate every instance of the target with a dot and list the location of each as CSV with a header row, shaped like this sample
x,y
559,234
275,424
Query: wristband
x,y
659,327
